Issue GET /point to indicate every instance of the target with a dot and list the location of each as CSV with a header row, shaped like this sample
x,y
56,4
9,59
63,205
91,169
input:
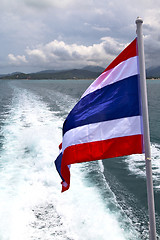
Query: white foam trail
x,y
28,152
136,164
101,165
32,206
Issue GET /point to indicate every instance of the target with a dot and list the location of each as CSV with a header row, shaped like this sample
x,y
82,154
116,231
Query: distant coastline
x,y
88,72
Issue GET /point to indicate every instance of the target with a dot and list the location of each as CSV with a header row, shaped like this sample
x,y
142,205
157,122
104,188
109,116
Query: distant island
x,y
88,72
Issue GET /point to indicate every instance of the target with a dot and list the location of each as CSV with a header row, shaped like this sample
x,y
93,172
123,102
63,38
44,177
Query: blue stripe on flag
x,y
58,162
111,102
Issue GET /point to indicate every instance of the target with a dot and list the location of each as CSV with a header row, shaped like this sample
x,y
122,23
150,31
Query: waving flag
x,y
107,120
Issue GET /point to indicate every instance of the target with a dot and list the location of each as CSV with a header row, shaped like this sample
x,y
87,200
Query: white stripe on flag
x,y
102,130
123,70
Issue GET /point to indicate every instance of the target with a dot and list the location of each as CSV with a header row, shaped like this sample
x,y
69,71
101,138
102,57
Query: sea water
x,y
107,199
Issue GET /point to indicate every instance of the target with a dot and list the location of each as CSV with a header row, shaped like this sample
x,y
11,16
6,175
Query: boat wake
x,y
32,205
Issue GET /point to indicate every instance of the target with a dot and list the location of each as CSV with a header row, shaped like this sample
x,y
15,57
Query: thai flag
x,y
107,121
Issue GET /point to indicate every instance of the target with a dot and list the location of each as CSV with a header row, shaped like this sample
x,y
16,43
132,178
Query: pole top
x,y
139,20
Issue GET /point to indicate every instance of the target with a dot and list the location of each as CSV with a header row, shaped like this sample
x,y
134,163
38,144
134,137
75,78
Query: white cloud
x,y
39,5
103,29
90,31
16,60
58,54
36,54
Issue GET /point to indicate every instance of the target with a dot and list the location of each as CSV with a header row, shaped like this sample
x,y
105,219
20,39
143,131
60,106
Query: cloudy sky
x,y
60,34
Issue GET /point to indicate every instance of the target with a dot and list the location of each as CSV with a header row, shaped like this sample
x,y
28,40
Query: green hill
x,y
88,72
55,74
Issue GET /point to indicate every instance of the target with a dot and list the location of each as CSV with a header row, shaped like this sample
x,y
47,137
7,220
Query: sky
x,y
38,35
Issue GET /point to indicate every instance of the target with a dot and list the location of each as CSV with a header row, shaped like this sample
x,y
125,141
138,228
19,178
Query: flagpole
x,y
150,194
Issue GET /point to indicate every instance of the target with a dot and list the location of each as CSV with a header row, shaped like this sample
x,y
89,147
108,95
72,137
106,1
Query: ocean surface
x,y
107,199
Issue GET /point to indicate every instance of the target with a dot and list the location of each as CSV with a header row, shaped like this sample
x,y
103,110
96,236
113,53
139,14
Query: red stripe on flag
x,y
60,146
128,52
91,151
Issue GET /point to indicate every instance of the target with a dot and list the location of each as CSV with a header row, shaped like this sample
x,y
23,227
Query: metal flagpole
x,y
152,224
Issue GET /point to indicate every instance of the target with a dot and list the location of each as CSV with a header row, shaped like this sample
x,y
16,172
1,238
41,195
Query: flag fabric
x,y
58,163
107,121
